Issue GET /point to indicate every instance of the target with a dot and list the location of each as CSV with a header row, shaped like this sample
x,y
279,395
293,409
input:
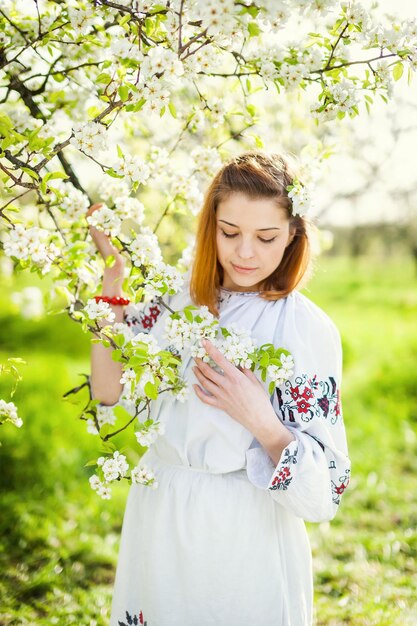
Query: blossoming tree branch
x,y
118,101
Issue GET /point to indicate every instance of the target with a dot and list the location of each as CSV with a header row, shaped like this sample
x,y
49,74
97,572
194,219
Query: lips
x,y
239,268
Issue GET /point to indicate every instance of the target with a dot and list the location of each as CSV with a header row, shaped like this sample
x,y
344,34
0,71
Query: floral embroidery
x,y
282,479
283,476
145,319
133,620
338,489
309,398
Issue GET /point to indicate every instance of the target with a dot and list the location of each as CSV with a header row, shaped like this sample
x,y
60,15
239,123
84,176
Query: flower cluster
x,y
104,415
148,433
134,169
143,476
98,311
90,138
112,468
236,344
72,202
278,374
105,219
144,249
300,197
186,329
8,413
161,279
31,244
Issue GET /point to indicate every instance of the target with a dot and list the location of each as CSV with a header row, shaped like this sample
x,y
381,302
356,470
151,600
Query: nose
x,y
245,249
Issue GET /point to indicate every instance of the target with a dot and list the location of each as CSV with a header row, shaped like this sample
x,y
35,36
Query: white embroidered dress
x,y
222,541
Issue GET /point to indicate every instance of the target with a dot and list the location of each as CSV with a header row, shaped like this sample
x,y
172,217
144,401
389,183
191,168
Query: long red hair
x,y
257,175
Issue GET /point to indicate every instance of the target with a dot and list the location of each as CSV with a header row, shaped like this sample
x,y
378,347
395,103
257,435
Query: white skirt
x,y
208,549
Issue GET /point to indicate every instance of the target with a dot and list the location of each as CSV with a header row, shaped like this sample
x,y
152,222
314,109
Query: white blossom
x,y
104,415
182,333
149,340
147,435
133,168
73,203
105,219
31,244
280,373
29,301
182,394
144,249
292,74
128,376
301,199
82,20
268,69
187,188
206,160
130,208
143,476
103,490
8,413
162,278
113,189
99,311
237,346
113,468
90,138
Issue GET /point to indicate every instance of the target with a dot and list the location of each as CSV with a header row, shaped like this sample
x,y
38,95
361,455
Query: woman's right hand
x,y
105,247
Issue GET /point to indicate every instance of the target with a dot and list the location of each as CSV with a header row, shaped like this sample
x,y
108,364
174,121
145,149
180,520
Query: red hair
x,y
257,175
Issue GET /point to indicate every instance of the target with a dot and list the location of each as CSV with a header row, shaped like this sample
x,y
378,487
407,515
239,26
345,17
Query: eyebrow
x,y
258,229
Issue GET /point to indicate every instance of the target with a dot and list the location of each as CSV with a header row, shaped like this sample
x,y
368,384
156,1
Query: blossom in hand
x,y
99,311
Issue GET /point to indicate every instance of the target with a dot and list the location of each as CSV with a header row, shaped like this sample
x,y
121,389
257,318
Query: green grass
x,y
60,541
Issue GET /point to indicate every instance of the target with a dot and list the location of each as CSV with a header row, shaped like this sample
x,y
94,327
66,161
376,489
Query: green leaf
x,y
188,315
110,260
120,152
151,390
123,92
121,413
30,172
124,19
253,29
397,71
251,109
91,463
116,355
172,109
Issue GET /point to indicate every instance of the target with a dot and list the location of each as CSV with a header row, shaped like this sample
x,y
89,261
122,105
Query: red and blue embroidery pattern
x,y
309,397
338,489
143,320
133,620
283,476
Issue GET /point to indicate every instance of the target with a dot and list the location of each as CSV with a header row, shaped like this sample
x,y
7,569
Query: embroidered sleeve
x,y
314,469
141,317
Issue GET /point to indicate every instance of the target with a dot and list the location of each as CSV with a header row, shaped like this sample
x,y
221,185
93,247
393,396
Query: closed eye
x,y
232,235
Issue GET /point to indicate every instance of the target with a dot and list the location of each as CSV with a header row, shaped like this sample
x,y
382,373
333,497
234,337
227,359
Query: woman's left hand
x,y
237,392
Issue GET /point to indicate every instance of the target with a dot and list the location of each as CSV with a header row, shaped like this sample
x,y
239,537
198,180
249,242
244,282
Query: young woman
x,y
222,540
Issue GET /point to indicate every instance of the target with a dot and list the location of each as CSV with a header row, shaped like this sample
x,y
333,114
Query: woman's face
x,y
252,235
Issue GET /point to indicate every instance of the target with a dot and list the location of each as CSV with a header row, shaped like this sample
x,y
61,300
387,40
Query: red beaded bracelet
x,y
116,300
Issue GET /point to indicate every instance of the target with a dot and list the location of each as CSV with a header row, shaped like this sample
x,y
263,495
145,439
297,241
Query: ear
x,y
293,230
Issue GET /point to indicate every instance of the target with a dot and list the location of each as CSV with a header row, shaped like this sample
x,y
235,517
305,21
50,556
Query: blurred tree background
x,y
60,542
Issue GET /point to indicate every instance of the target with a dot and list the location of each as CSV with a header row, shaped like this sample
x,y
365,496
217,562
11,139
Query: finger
x,y
217,356
209,372
251,375
204,397
94,207
206,383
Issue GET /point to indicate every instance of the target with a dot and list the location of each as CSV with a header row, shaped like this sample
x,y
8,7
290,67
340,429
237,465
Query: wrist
x,y
112,282
274,437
